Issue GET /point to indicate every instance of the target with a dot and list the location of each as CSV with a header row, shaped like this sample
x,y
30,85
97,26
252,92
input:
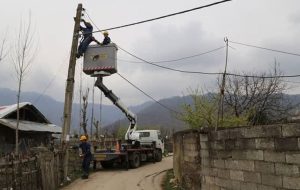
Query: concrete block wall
x,y
187,162
244,158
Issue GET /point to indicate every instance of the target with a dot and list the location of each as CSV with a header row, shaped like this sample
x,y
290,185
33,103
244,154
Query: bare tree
x,y
96,125
261,98
24,50
83,111
3,51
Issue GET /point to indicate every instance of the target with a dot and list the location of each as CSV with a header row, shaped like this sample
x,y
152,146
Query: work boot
x,y
84,176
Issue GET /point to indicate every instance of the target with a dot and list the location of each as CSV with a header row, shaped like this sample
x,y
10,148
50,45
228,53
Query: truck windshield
x,y
144,134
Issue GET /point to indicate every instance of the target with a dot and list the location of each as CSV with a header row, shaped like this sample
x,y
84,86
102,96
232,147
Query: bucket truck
x,y
141,145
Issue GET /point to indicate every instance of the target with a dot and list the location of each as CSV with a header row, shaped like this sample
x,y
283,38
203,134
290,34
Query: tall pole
x,y
100,111
69,91
222,89
92,118
223,81
80,96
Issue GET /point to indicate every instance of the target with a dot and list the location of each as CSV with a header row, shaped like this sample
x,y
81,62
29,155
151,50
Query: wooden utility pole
x,y
92,118
222,90
69,91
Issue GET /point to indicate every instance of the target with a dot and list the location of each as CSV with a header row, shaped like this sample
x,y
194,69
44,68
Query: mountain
x,y
53,110
161,115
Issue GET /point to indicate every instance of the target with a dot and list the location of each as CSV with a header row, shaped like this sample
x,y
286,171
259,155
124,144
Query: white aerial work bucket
x,y
100,60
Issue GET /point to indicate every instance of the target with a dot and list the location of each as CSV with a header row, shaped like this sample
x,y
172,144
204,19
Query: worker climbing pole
x,y
69,92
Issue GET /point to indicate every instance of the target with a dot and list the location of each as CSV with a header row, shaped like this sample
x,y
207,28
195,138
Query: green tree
x,y
202,113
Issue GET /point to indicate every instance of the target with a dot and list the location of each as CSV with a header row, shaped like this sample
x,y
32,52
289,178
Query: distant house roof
x,y
31,119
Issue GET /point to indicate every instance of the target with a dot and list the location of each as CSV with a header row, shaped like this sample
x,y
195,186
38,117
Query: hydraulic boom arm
x,y
110,95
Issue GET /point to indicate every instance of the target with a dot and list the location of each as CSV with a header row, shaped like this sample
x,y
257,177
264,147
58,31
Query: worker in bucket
x,y
87,33
106,39
86,155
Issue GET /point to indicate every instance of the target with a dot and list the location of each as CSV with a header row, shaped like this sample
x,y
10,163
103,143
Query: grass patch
x,y
168,182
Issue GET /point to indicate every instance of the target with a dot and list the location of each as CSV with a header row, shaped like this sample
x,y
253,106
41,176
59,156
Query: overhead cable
x,y
269,49
211,73
148,95
49,84
164,67
297,82
178,59
165,16
138,87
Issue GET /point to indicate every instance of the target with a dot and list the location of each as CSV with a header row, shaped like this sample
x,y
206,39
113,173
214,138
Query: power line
x,y
49,84
148,95
177,70
214,73
269,49
264,77
161,17
178,59
138,87
211,73
296,82
172,69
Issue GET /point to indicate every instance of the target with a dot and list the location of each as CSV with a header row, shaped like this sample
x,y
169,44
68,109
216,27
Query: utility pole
x,y
80,96
92,118
222,89
69,92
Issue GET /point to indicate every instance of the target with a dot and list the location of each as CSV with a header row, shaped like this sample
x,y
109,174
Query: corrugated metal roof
x,y
31,126
26,125
5,110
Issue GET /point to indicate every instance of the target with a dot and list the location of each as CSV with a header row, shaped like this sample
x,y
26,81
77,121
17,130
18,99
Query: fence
x,y
44,171
20,174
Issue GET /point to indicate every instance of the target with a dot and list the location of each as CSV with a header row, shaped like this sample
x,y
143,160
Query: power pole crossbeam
x,y
69,91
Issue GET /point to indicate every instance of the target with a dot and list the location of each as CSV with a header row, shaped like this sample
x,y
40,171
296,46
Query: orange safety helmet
x,y
82,138
105,33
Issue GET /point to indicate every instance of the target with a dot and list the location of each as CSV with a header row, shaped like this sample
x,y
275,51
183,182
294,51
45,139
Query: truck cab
x,y
147,137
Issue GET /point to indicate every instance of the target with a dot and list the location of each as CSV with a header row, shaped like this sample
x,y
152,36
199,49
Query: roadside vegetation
x,y
168,182
246,99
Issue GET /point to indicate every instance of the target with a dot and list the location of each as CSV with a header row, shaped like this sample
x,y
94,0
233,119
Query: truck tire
x,y
158,155
106,164
135,161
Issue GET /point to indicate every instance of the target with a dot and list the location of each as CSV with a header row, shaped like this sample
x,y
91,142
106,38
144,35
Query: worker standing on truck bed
x,y
86,155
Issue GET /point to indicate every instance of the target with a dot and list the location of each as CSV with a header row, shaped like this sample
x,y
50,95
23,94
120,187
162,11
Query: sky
x,y
272,24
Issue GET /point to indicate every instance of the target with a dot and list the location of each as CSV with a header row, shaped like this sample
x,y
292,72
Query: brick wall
x,y
245,158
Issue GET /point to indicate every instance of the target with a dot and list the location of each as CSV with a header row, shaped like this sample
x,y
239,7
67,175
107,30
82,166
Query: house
x,y
34,128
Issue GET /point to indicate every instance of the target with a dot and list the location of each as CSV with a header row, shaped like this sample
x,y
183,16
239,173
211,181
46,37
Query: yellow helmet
x,y
82,137
105,33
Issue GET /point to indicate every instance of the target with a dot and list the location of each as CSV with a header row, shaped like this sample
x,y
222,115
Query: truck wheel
x,y
106,164
158,155
135,162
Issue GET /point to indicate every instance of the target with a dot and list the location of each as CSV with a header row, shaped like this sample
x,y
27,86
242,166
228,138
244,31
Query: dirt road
x,y
147,177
